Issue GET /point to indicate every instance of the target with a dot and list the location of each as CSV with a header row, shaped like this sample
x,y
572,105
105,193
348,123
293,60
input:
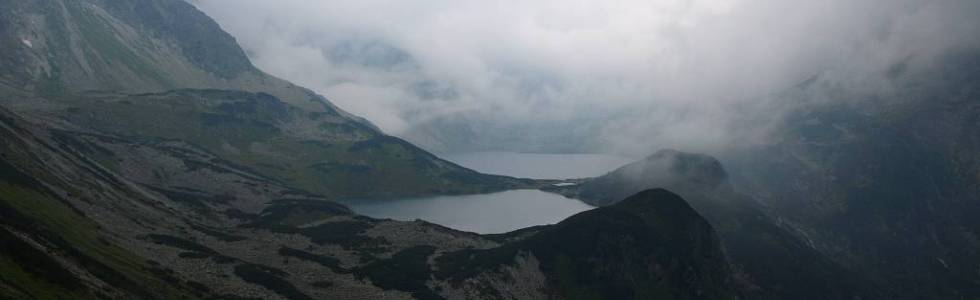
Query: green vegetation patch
x,y
348,234
248,131
326,261
77,239
408,270
286,216
30,260
225,237
196,250
271,279
298,212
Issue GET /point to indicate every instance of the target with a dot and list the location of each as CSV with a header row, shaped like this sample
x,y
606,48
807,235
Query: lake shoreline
x,y
499,211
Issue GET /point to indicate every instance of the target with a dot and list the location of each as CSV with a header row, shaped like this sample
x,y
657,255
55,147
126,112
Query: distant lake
x,y
539,166
504,211
486,213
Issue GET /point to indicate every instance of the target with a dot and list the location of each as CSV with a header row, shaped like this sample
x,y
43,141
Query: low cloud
x,y
629,76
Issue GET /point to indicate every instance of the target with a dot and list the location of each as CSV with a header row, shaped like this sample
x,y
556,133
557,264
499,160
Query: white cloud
x,y
664,70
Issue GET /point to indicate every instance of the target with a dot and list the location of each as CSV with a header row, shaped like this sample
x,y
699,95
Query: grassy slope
x,y
152,46
338,159
27,207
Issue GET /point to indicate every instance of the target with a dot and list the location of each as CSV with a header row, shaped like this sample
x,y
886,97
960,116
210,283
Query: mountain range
x,y
143,156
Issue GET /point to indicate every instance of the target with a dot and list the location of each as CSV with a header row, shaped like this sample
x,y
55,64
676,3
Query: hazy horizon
x,y
624,77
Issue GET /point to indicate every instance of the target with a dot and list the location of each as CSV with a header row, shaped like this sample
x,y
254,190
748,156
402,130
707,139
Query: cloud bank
x,y
627,76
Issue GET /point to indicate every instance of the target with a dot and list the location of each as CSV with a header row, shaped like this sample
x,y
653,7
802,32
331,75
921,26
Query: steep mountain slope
x,y
886,185
143,157
771,259
651,245
318,152
161,70
67,46
187,225
888,181
884,181
51,249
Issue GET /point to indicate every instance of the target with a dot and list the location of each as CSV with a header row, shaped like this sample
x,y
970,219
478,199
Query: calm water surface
x,y
539,166
504,211
486,213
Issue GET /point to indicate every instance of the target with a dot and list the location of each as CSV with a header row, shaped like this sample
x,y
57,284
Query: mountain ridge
x,y
136,165
223,238
162,70
771,259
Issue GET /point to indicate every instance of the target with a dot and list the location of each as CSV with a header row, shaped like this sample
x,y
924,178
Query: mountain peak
x,y
56,47
658,202
672,169
697,167
652,245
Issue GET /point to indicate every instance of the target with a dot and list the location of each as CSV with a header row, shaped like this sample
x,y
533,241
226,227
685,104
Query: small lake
x,y
484,213
504,211
539,166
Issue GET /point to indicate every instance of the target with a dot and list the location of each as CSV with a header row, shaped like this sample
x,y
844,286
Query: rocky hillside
x,y
888,182
57,47
772,260
188,225
862,196
160,70
144,157
651,245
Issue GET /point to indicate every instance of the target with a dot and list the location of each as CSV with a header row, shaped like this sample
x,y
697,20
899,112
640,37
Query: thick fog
x,y
622,76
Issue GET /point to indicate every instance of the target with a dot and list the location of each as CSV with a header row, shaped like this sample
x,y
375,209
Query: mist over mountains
x,y
825,150
592,76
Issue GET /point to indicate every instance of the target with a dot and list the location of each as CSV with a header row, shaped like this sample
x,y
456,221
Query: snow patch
x,y
28,43
564,184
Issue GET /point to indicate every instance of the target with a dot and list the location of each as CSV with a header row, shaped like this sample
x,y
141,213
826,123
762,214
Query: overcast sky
x,y
667,71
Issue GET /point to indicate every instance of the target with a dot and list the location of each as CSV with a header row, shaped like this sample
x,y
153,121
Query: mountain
x,y
73,228
666,168
887,181
144,157
651,245
161,70
871,194
480,133
771,260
